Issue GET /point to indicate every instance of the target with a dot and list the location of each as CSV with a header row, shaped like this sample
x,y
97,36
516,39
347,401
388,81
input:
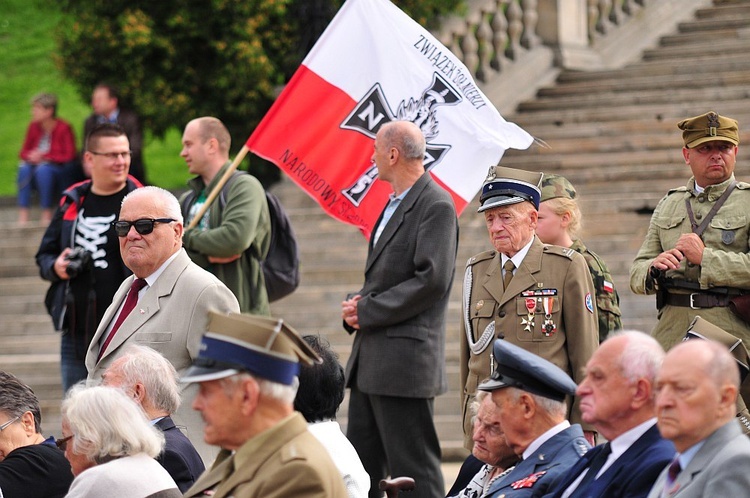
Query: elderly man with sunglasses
x,y
165,304
79,253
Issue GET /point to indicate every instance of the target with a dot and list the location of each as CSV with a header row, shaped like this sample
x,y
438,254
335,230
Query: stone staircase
x,y
611,132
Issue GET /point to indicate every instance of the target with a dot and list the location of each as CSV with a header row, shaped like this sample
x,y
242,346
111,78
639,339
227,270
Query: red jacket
x,y
62,146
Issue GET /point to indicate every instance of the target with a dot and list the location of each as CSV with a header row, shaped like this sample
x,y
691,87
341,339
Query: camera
x,y
79,261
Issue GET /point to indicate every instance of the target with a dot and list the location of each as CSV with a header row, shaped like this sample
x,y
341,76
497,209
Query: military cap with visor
x,y
265,347
707,128
524,370
505,186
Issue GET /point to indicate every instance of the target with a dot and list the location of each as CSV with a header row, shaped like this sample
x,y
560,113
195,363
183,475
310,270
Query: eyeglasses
x,y
6,424
143,226
113,156
63,443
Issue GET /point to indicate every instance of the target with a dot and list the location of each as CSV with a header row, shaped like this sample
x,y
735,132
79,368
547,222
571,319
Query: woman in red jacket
x,y
48,146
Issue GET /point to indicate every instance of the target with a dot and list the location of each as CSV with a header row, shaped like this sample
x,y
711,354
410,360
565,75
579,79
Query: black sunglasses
x,y
63,443
143,226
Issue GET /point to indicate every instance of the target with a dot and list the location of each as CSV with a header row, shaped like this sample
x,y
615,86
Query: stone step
x,y
651,82
717,48
734,90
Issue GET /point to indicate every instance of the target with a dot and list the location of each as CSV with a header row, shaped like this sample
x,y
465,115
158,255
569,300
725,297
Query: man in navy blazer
x,y
151,380
617,397
397,363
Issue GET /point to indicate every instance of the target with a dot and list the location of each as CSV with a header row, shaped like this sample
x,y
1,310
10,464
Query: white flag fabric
x,y
372,65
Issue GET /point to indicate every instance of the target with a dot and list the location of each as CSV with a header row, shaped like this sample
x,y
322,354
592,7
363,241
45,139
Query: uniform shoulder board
x,y
482,256
581,446
560,251
678,189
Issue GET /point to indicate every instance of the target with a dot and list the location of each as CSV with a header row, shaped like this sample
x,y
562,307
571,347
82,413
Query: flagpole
x,y
217,189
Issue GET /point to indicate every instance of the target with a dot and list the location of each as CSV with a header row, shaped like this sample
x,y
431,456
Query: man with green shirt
x,y
231,225
696,256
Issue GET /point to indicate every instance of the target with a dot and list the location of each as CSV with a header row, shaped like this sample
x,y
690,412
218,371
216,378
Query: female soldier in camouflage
x,y
560,224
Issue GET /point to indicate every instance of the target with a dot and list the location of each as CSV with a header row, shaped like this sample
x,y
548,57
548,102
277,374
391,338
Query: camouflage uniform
x,y
607,300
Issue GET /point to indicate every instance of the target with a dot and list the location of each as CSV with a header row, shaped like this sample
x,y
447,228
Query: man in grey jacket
x,y
396,367
695,404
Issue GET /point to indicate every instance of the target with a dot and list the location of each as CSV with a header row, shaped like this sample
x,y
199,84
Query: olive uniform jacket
x,y
726,257
284,461
550,278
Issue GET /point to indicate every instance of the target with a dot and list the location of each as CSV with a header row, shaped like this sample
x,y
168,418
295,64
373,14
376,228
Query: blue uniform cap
x,y
262,346
519,368
505,186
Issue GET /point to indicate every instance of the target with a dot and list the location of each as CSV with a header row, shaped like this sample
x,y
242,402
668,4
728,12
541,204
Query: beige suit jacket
x,y
171,318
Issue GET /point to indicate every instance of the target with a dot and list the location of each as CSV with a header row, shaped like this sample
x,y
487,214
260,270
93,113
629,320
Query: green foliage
x,y
174,60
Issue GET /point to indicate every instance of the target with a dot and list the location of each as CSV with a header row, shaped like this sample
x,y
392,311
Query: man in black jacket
x,y
79,252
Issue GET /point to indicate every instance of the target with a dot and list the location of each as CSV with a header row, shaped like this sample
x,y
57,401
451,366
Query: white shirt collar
x,y
151,279
535,444
518,257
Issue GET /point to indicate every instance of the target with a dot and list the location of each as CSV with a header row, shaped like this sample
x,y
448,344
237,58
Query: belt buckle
x,y
692,301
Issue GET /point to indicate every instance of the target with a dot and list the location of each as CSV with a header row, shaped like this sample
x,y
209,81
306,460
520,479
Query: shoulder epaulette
x,y
743,185
560,251
482,256
678,189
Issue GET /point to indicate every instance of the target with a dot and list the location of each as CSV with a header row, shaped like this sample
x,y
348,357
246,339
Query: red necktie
x,y
130,302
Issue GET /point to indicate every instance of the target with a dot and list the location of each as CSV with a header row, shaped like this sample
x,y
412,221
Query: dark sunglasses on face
x,y
143,226
63,443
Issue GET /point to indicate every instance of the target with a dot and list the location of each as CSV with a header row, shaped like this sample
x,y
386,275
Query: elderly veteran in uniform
x,y
530,393
543,303
247,374
559,224
696,256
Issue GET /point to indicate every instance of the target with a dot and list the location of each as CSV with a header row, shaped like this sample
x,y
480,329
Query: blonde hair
x,y
562,205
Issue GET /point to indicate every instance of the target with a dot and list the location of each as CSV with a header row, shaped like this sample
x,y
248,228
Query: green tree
x,y
174,60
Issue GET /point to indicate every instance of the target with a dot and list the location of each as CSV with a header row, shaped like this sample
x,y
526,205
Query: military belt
x,y
696,300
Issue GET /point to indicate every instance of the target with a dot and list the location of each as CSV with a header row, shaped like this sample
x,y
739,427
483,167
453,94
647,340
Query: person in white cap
x,y
247,372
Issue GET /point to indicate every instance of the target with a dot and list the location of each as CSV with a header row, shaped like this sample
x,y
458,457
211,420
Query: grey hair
x,y
407,139
275,390
142,364
722,367
106,423
16,398
642,356
169,202
553,408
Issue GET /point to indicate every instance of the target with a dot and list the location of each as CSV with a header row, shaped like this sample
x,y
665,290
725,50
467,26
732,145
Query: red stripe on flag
x,y
301,134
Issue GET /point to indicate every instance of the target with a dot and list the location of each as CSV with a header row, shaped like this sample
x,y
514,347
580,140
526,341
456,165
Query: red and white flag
x,y
374,64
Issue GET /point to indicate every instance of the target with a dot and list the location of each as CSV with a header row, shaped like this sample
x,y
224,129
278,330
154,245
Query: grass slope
x,y
27,68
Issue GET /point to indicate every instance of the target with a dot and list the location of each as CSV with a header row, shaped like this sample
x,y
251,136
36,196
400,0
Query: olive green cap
x,y
708,127
554,186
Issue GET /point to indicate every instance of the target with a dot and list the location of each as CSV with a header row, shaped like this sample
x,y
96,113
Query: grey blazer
x,y
720,468
171,318
399,349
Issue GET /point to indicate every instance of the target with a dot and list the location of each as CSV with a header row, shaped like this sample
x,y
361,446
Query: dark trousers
x,y
396,437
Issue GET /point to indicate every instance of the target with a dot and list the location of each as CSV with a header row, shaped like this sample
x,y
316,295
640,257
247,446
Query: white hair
x,y
280,392
169,202
642,356
105,423
141,364
554,408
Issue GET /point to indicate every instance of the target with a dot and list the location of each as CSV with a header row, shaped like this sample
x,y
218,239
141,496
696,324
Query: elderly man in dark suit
x,y
151,380
396,367
617,397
